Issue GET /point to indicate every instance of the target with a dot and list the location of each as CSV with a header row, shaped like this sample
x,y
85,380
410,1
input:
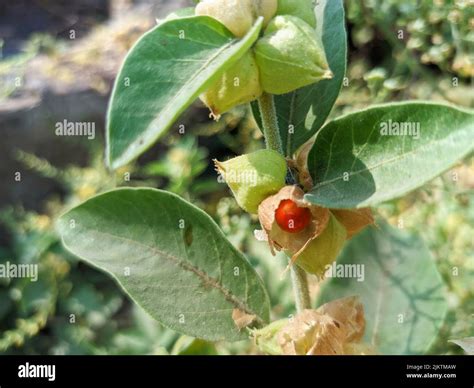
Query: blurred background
x,y
58,60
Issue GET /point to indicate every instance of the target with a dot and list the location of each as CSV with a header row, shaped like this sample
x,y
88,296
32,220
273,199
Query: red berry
x,y
291,218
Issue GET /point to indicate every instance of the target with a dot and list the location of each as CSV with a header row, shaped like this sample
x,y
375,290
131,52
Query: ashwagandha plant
x,y
312,188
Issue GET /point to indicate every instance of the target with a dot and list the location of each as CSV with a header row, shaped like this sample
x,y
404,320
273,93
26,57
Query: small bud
x,y
238,15
303,9
254,177
324,249
238,85
289,56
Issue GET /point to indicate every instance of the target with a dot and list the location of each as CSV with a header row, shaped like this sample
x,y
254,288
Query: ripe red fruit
x,y
291,218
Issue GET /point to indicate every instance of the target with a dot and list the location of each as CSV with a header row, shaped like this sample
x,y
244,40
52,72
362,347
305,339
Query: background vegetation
x,y
399,50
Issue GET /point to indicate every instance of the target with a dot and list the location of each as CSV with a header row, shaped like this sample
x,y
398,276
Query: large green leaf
x,y
182,270
305,110
162,75
402,291
355,163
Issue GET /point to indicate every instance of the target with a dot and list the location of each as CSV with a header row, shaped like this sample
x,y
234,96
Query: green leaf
x,y
402,291
356,163
467,344
307,109
162,75
170,257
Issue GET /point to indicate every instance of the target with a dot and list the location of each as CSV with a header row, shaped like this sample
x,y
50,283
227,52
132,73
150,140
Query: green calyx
x,y
238,15
254,177
238,85
303,9
289,56
324,249
286,58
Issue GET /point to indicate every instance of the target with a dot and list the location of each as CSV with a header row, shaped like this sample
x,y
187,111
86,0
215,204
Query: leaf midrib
x,y
380,164
196,74
206,279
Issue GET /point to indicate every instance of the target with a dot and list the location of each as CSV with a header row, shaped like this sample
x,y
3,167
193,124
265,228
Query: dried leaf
x,y
242,319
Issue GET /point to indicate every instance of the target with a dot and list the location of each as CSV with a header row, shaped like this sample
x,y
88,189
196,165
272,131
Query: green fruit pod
x,y
238,85
289,56
238,15
254,177
303,9
324,249
265,8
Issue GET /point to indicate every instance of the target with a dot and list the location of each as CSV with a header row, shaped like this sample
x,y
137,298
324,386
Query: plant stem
x,y
271,132
300,288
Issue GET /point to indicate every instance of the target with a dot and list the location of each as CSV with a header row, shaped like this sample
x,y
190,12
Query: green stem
x,y
300,288
271,132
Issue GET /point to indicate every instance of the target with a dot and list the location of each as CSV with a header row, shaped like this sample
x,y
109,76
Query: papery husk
x,y
350,313
333,329
242,319
312,333
293,243
301,165
354,220
323,250
356,349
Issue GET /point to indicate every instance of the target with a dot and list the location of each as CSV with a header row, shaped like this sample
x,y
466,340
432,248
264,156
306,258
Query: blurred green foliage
x,y
438,32
445,210
409,49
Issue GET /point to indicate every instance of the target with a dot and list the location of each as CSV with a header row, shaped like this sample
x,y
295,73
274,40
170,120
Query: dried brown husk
x,y
301,164
242,319
350,312
354,220
293,243
312,333
335,328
